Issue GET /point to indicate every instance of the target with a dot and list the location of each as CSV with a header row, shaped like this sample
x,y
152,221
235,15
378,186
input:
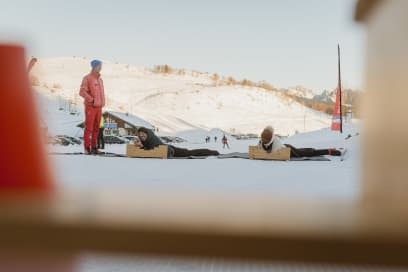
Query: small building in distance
x,y
121,124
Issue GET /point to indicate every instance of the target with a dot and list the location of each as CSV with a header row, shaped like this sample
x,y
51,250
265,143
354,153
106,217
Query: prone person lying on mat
x,y
148,141
271,143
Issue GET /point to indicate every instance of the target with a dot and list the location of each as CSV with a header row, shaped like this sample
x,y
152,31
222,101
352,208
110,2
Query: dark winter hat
x,y
95,63
266,136
143,129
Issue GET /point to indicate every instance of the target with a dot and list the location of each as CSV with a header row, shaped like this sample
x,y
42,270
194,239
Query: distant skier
x,y
101,140
92,91
148,140
225,142
215,139
271,143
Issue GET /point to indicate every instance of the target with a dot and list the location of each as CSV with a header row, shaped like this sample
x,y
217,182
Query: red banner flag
x,y
337,122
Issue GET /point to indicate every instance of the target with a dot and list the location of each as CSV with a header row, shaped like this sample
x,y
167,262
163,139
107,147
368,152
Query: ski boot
x,y
95,151
334,152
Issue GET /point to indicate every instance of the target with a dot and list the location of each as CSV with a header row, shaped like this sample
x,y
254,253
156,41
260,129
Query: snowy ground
x,y
245,108
308,179
191,105
325,179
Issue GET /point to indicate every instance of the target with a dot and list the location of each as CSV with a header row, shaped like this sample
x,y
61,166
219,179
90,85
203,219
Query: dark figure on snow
x,y
215,139
148,140
225,142
270,143
101,140
94,98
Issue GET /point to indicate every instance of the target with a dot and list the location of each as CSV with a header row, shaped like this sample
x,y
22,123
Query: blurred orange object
x,y
23,166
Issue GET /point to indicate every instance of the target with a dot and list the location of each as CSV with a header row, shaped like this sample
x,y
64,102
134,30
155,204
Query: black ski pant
x,y
183,152
101,141
310,152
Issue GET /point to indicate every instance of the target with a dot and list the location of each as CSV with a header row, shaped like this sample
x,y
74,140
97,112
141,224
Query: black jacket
x,y
153,141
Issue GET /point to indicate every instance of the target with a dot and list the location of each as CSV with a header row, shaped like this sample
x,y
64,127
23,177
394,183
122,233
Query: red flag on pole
x,y
337,122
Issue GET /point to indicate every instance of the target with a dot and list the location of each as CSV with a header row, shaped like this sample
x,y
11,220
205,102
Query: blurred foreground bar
x,y
236,227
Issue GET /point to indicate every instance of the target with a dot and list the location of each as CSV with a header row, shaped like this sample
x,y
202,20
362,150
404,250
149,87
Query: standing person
x,y
94,99
101,140
225,142
270,143
215,139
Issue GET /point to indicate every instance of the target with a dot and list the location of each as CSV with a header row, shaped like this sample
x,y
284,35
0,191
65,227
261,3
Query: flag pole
x,y
339,90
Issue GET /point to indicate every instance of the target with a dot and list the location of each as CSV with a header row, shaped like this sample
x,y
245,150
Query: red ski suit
x,y
94,99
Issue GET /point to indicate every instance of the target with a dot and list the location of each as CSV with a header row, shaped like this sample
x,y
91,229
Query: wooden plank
x,y
198,224
133,151
257,153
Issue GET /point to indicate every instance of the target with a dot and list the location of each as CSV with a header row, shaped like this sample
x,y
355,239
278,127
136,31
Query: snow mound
x,y
179,102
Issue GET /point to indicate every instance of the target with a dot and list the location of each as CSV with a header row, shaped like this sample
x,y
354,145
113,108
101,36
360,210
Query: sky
x,y
286,42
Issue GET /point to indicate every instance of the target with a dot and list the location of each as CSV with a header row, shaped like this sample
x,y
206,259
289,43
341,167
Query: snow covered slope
x,y
179,102
58,122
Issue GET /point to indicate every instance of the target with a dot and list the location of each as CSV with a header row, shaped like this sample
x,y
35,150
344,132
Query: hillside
x,y
179,101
